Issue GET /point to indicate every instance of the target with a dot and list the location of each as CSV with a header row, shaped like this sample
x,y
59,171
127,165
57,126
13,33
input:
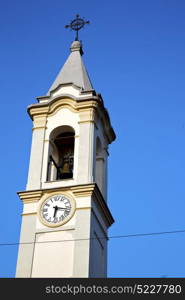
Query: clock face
x,y
56,210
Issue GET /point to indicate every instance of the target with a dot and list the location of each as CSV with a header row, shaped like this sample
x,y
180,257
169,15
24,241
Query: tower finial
x,y
77,24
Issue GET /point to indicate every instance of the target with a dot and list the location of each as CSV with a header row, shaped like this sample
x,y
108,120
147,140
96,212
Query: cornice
x,y
76,105
30,196
78,191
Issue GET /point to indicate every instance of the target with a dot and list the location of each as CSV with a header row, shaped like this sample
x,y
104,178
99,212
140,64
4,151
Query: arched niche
x,y
61,153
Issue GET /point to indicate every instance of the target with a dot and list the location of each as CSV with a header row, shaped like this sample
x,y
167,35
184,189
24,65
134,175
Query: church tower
x,y
65,213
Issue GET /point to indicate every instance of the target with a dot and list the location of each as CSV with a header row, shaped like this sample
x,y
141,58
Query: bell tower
x,y
65,213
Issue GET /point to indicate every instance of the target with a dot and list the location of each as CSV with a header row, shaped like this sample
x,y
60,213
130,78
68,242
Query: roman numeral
x,y
61,218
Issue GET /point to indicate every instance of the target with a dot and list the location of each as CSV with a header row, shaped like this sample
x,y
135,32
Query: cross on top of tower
x,y
77,24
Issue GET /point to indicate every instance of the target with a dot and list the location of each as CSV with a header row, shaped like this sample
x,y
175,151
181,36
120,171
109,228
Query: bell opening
x,y
61,158
65,146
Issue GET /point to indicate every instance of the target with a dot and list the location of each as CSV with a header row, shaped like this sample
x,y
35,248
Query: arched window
x,y
99,175
61,154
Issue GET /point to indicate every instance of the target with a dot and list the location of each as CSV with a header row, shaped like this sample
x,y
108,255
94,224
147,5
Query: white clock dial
x,y
56,210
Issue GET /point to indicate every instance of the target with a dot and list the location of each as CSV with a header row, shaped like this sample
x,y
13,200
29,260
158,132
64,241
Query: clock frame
x,y
52,196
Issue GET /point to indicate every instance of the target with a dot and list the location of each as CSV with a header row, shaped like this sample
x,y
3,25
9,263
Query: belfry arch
x,y
61,153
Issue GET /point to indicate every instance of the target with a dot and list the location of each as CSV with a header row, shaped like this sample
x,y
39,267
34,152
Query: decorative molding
x,y
82,208
35,110
28,214
62,104
82,190
37,126
39,121
30,196
92,105
87,121
40,127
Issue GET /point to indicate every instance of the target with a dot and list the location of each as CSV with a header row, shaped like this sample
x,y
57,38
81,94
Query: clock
x,y
56,210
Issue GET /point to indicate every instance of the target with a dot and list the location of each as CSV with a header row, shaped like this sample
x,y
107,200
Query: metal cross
x,y
77,24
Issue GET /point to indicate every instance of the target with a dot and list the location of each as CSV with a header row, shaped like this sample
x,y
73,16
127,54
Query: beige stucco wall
x,y
76,256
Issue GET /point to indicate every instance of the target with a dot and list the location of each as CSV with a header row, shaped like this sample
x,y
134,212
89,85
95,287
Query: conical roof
x,y
73,70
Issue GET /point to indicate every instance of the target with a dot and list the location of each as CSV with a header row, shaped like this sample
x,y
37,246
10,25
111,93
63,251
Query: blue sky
x,y
134,53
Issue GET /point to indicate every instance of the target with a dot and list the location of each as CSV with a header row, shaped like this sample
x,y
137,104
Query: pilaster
x,y
36,156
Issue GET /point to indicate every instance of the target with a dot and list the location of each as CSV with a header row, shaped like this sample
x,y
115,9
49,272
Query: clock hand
x,y
56,208
62,208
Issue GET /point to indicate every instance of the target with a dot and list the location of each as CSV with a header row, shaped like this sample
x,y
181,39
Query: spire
x,y
73,70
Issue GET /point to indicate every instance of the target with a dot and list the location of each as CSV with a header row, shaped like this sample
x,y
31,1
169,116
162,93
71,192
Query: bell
x,y
66,167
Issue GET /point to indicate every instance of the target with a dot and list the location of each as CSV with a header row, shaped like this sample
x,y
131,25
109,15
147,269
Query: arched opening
x,y
98,147
61,153
99,175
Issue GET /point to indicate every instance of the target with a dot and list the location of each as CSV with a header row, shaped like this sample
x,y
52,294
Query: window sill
x,y
60,180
